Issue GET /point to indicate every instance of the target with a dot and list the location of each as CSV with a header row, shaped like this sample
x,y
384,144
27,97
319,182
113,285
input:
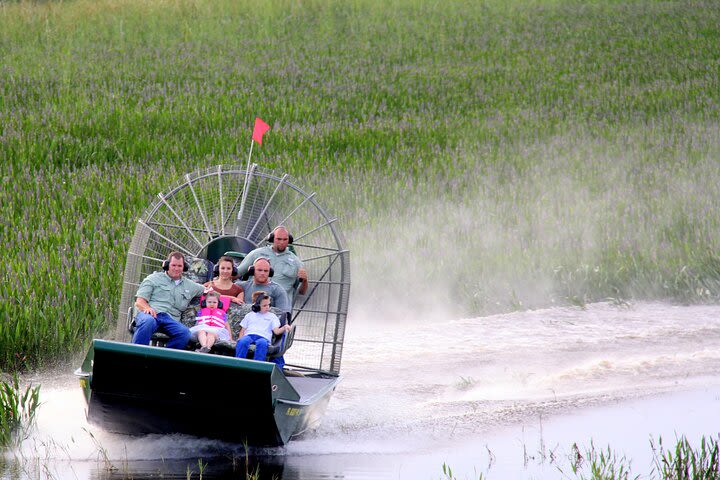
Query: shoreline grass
x,y
17,412
678,461
681,461
530,154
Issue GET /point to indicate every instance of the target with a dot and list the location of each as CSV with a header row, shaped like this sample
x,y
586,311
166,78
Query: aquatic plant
x,y
526,153
189,472
17,411
602,464
681,462
685,462
448,473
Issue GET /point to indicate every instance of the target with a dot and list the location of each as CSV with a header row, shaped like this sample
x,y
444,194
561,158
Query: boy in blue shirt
x,y
258,327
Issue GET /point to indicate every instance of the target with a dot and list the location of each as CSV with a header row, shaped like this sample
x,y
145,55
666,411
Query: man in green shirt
x,y
289,271
160,301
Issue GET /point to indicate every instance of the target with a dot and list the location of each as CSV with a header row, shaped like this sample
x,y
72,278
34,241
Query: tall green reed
x,y
602,464
448,473
685,462
17,411
681,462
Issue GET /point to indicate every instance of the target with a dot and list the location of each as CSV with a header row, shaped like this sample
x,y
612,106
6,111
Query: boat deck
x,y
308,387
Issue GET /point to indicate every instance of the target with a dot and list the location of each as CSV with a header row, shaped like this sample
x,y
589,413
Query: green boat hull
x,y
137,390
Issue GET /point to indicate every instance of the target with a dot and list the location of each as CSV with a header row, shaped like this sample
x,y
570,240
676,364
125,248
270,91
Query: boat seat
x,y
222,347
235,315
200,270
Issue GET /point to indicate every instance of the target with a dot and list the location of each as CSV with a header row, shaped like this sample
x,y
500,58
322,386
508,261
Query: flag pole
x,y
247,169
246,183
258,131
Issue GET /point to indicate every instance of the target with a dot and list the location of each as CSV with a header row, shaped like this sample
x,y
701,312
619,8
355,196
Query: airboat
x,y
137,389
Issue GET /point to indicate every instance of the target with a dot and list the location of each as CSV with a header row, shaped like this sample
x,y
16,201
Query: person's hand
x,y
150,311
288,328
302,274
236,300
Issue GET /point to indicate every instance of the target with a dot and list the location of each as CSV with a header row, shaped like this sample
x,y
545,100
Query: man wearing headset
x,y
289,271
260,281
161,299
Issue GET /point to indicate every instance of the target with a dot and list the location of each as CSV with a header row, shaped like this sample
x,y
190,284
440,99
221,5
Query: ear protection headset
x,y
216,269
251,270
256,305
203,303
271,237
166,263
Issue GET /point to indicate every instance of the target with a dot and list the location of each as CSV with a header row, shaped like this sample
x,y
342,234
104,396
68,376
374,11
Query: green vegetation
x,y
686,462
448,473
529,153
17,411
683,462
602,465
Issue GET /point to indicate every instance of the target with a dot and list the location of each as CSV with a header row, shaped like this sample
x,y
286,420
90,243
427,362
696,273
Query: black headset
x,y
251,270
203,303
271,237
256,304
166,263
216,268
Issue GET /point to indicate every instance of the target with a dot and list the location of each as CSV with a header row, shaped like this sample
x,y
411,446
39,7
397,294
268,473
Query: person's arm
x,y
241,333
143,306
203,289
302,275
240,297
198,289
144,294
282,329
280,299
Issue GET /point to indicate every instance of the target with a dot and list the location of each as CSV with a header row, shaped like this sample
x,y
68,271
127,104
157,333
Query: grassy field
x,y
506,154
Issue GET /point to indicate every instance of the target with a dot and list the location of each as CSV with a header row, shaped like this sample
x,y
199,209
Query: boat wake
x,y
408,386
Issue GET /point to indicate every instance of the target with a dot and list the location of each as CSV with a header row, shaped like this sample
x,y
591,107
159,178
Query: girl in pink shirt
x,y
211,324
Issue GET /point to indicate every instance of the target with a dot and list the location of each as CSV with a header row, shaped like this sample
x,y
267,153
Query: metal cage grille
x,y
231,201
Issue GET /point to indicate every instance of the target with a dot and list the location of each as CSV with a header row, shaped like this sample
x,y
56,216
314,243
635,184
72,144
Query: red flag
x,y
259,130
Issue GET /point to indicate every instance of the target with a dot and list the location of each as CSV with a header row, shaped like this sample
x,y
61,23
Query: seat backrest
x,y
200,270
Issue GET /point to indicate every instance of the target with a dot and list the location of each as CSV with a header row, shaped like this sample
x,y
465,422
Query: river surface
x,y
503,396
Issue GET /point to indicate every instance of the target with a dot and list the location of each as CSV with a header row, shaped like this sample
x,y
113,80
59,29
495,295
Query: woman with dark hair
x,y
225,271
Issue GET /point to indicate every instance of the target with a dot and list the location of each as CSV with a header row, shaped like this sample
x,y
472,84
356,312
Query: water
x,y
505,396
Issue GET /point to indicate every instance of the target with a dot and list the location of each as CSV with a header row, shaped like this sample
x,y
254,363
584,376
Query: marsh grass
x,y
17,411
681,462
448,473
602,465
509,155
686,462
